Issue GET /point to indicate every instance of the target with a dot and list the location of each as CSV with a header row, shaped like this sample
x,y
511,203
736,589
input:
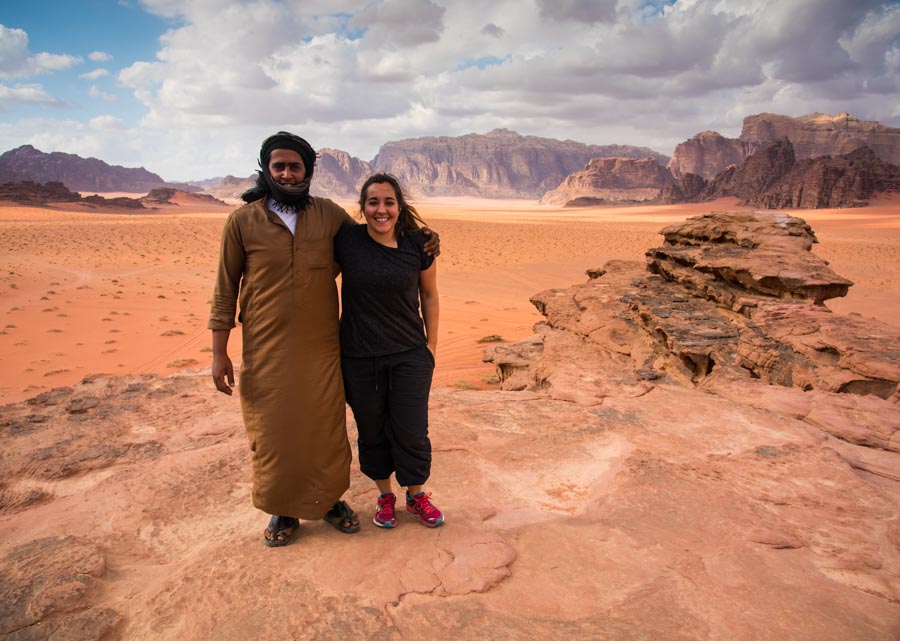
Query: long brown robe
x,y
292,395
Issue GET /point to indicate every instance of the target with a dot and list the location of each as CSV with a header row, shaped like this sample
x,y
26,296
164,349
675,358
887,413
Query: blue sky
x,y
188,88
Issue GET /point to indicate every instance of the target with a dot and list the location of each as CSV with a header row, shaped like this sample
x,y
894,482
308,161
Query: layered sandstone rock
x,y
734,295
77,173
820,134
338,175
612,179
771,178
499,164
812,136
169,196
706,154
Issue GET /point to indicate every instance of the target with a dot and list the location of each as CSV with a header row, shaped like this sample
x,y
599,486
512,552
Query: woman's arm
x,y
431,308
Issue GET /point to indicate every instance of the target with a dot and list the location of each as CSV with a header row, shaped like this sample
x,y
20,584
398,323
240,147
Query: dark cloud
x,y
491,29
589,11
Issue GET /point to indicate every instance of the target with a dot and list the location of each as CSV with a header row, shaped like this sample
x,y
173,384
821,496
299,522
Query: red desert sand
x,y
84,292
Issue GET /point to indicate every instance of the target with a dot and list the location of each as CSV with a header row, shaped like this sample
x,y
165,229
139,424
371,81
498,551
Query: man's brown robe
x,y
292,394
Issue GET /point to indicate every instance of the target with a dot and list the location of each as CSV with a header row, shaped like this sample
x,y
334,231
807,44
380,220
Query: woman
x,y
387,347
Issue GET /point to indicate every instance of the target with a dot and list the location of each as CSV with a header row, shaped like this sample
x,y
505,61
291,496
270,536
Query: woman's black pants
x,y
389,399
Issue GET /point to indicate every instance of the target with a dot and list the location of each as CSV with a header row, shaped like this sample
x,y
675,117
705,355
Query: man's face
x,y
286,167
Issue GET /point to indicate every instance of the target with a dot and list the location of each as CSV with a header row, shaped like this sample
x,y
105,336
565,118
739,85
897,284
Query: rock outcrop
x,y
169,196
499,164
771,178
78,174
612,179
813,136
706,154
820,134
31,193
729,296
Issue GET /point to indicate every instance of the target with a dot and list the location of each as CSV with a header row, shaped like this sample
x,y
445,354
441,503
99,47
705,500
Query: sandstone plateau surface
x,y
661,479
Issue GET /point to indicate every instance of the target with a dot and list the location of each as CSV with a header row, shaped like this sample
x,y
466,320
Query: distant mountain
x,y
773,178
812,136
76,173
499,164
611,180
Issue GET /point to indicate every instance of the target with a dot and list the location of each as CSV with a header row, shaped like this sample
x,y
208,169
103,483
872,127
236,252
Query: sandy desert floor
x,y
83,292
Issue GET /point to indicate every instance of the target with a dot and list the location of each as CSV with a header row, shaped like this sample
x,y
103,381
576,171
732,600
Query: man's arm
x,y
431,307
222,368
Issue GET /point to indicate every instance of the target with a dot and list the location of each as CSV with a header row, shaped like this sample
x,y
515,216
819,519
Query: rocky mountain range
x,y
812,136
773,178
499,164
76,173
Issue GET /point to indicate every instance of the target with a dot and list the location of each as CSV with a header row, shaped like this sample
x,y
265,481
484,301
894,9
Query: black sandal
x,y
342,518
280,531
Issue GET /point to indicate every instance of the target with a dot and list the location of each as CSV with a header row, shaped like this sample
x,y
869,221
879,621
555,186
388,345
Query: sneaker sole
x,y
386,526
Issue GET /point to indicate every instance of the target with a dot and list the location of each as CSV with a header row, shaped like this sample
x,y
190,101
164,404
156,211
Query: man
x,y
277,255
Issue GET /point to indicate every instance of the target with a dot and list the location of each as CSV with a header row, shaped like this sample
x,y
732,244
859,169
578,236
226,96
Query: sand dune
x,y
85,293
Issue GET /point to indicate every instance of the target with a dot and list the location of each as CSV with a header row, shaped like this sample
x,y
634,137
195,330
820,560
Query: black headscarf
x,y
296,196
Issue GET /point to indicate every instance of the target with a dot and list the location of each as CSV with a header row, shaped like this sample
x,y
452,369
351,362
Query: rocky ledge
x,y
731,299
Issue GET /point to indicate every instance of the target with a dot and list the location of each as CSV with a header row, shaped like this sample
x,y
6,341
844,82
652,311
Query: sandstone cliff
x,y
339,175
612,179
706,154
771,178
77,173
819,134
499,164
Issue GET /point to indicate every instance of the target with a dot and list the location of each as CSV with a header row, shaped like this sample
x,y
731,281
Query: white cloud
x,y
95,74
17,62
95,92
353,74
107,123
99,56
26,95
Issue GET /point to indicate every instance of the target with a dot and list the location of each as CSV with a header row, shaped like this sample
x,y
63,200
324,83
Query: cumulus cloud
x,y
17,61
107,123
99,56
95,92
26,95
95,74
352,74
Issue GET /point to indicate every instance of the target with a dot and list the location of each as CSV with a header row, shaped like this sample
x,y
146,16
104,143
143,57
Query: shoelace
x,y
385,507
423,504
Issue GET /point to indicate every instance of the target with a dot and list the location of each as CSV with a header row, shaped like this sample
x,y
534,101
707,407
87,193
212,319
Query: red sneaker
x,y
384,513
420,505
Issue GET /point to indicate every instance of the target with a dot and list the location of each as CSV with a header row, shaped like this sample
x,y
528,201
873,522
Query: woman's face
x,y
381,208
286,167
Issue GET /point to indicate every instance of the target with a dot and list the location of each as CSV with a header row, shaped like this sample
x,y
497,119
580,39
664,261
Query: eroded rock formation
x,y
728,296
499,164
706,154
771,178
820,134
612,179
28,192
169,196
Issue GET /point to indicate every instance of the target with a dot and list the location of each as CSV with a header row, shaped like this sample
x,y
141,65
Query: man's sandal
x,y
280,531
342,518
